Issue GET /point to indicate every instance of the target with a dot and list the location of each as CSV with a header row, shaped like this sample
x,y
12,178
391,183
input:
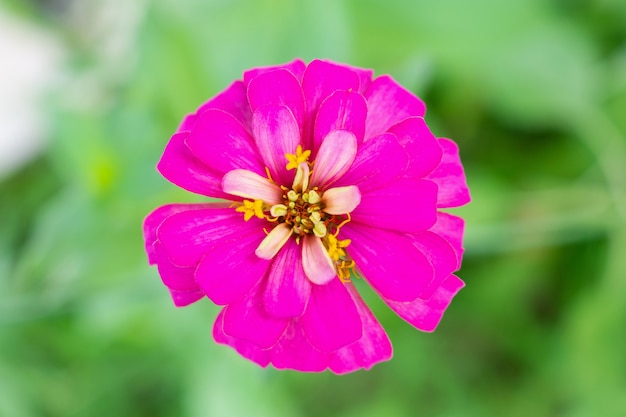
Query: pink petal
x,y
378,162
294,351
246,319
276,134
273,242
179,281
321,79
441,256
426,315
450,177
372,348
296,67
185,298
154,220
248,184
334,158
421,145
452,229
342,110
389,103
180,167
288,289
316,262
406,205
230,269
187,123
388,261
341,200
187,236
278,88
234,101
331,320
222,143
246,349
179,278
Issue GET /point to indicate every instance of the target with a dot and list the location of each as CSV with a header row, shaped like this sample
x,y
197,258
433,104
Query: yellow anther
x,y
315,217
292,196
278,210
251,208
335,247
319,229
314,197
295,159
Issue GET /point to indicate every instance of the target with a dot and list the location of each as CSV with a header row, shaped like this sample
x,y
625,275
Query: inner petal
x,y
341,200
248,184
334,157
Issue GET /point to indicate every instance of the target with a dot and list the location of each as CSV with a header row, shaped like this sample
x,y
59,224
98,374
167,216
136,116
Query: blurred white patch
x,y
30,64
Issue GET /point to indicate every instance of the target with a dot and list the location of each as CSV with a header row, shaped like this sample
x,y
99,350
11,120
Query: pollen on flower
x,y
304,211
251,208
293,160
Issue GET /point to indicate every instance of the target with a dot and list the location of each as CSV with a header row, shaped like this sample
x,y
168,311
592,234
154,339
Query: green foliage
x,y
533,91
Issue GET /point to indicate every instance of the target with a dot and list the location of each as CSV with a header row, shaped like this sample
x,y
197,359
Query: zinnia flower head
x,y
327,176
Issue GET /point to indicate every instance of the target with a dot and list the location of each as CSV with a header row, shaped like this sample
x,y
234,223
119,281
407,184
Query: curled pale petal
x,y
154,220
187,236
421,146
341,200
373,347
294,351
388,261
180,167
296,67
441,256
379,161
425,315
278,88
331,320
276,134
248,184
230,269
451,228
246,319
245,348
273,242
318,266
233,101
222,143
389,103
342,110
288,289
406,205
450,177
334,157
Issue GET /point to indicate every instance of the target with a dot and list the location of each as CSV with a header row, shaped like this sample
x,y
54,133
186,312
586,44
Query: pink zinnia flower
x,y
328,175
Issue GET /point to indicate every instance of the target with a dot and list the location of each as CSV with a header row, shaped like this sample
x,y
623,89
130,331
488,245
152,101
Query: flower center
x,y
303,212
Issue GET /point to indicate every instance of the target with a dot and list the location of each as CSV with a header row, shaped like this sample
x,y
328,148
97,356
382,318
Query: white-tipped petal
x,y
341,200
248,184
301,180
334,157
273,242
318,267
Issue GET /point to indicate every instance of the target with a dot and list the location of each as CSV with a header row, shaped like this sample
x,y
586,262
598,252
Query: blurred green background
x,y
533,91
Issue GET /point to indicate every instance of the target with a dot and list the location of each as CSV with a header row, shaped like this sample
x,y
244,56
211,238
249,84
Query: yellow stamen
x,y
295,159
335,247
251,208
